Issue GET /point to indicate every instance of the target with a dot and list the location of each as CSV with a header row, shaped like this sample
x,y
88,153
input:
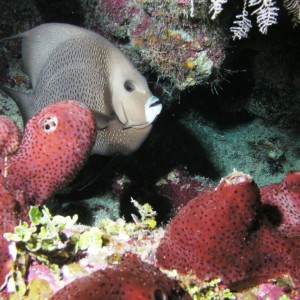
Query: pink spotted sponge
x,y
54,147
132,279
223,233
8,221
285,196
9,136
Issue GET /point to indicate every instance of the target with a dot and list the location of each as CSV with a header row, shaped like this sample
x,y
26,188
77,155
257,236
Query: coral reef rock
x,y
172,37
180,187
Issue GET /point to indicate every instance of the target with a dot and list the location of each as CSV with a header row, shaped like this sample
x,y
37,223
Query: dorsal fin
x,y
24,102
7,39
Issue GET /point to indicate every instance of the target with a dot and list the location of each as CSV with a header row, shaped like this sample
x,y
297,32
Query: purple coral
x,y
173,38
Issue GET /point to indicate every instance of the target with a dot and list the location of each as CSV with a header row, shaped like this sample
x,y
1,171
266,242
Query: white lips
x,y
153,108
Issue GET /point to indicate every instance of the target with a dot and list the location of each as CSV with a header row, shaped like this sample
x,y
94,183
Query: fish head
x,y
132,100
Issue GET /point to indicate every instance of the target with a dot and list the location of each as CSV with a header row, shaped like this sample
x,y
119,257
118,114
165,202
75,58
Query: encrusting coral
x,y
226,233
170,37
55,145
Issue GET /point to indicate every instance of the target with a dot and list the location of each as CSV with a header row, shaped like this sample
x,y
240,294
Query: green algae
x,y
206,290
90,238
44,235
58,243
284,297
148,215
212,292
43,240
39,289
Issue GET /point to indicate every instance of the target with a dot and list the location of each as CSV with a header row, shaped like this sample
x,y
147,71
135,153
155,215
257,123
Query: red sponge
x,y
223,233
286,197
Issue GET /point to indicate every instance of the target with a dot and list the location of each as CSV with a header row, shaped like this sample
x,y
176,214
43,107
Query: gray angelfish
x,y
69,62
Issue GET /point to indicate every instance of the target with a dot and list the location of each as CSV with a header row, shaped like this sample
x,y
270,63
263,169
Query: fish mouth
x,y
155,102
153,108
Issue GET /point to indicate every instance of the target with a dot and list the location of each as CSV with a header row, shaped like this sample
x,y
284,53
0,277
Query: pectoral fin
x,y
101,119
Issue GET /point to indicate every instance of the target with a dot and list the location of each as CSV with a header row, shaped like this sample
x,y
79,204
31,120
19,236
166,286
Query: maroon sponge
x,y
132,279
223,233
55,146
286,197
10,136
8,221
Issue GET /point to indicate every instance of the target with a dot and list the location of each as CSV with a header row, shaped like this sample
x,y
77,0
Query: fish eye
x,y
49,123
128,85
159,295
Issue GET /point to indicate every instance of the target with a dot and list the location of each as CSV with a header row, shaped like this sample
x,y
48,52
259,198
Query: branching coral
x,y
266,12
293,7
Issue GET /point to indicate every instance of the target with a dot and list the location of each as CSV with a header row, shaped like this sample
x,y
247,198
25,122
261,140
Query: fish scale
x,y
82,79
68,62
